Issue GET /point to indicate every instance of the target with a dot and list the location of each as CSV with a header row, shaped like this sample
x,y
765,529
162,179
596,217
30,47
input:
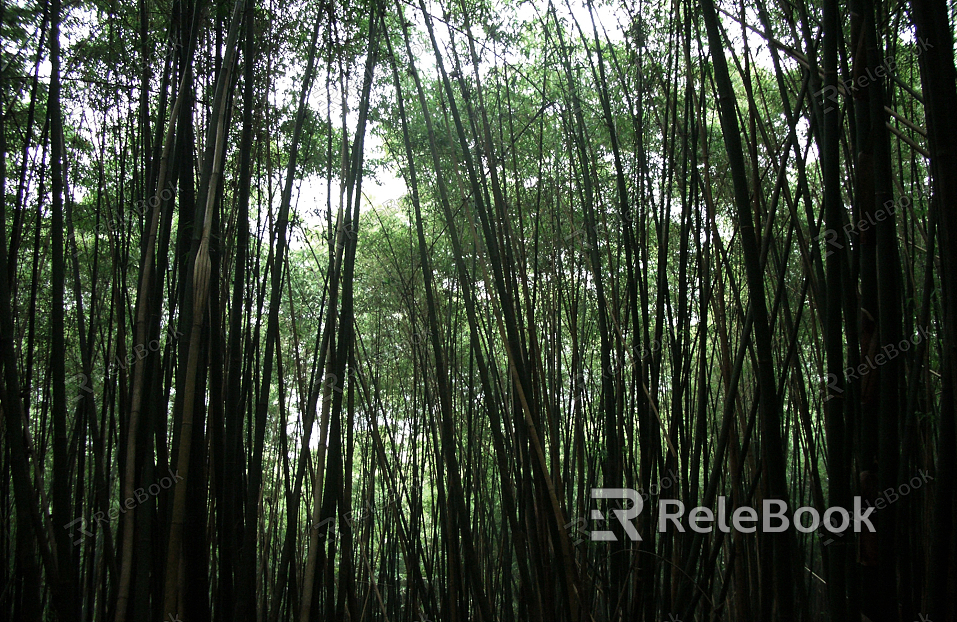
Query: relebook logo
x,y
773,516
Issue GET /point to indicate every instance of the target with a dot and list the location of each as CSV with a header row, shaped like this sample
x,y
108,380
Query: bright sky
x,y
388,186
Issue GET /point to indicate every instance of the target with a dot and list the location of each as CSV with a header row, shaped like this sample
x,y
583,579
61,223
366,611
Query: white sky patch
x,y
387,186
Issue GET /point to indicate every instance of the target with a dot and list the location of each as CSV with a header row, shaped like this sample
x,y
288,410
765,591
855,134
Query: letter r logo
x,y
624,516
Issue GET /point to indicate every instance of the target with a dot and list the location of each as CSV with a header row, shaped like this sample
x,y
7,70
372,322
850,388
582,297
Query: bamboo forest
x,y
491,310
